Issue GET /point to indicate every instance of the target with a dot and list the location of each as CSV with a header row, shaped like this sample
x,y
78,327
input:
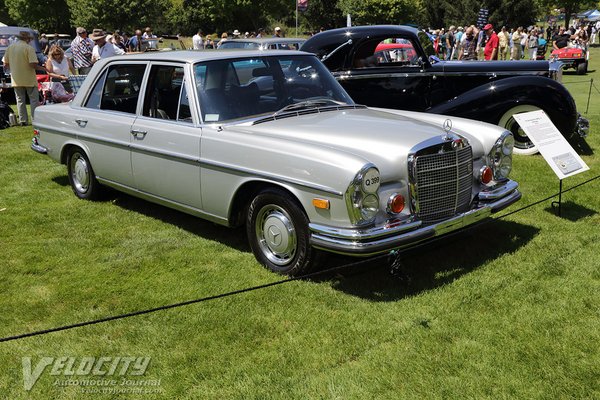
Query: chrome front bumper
x,y
395,234
583,126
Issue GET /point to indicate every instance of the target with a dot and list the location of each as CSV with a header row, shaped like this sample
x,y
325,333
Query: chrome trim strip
x,y
209,163
419,74
358,244
165,154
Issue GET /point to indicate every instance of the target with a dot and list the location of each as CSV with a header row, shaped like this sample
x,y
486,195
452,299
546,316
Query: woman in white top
x,y
59,67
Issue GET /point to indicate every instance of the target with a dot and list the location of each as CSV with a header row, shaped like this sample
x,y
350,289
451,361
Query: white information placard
x,y
551,144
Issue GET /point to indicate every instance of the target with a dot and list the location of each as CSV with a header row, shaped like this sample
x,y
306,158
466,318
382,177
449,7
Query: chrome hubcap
x,y
522,141
80,173
276,234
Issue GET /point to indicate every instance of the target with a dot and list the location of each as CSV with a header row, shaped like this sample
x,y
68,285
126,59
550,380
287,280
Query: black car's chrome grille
x,y
443,183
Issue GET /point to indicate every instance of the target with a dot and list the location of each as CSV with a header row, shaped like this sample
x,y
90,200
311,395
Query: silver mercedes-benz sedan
x,y
269,139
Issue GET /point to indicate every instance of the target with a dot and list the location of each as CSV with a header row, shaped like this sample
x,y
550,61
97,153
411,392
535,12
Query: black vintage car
x,y
394,66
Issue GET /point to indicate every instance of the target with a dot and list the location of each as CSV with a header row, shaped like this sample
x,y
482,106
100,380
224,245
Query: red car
x,y
575,57
395,52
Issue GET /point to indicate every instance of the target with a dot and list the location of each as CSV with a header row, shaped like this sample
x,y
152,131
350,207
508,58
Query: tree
x,y
569,6
512,13
43,15
126,15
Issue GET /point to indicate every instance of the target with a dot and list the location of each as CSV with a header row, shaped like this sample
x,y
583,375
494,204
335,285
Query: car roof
x,y
337,36
14,30
268,40
193,56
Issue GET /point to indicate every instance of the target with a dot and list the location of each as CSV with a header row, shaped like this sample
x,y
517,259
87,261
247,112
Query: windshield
x,y
244,87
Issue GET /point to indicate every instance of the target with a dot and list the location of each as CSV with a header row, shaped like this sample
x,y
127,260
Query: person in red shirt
x,y
491,47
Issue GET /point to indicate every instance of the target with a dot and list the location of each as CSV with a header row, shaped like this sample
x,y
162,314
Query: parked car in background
x,y
270,140
263,44
63,40
418,81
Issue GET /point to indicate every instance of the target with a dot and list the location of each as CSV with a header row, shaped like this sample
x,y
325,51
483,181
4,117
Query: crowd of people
x,y
457,43
472,43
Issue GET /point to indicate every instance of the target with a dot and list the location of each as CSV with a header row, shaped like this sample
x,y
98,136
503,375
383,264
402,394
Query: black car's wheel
x,y
582,68
523,145
277,230
81,175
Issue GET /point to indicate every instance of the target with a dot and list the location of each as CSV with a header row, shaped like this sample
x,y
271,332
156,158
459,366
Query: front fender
x,y
490,101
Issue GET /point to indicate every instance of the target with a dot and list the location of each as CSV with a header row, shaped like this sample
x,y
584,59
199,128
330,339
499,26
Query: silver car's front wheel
x,y
523,145
277,230
276,234
81,175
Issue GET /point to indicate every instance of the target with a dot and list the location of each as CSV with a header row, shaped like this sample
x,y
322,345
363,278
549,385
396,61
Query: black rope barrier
x,y
282,281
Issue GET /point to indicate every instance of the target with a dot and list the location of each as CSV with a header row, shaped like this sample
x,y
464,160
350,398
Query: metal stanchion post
x,y
559,202
589,95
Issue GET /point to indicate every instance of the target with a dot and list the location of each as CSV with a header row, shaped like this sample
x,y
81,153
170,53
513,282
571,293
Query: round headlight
x,y
503,170
507,145
369,207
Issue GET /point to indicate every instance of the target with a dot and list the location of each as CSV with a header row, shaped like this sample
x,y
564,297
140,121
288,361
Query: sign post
x,y
553,146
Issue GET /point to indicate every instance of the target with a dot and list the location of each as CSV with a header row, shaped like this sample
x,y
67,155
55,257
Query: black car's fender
x,y
502,95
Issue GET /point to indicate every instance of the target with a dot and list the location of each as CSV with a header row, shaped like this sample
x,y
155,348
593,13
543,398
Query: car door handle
x,y
81,122
138,134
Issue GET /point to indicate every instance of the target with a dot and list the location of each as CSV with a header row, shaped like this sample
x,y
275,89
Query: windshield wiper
x,y
326,56
307,104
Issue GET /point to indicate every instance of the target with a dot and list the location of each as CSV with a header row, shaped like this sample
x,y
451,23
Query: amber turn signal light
x,y
321,203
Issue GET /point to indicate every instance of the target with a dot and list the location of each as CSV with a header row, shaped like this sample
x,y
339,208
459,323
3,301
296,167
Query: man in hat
x,y
103,49
82,47
236,34
491,46
22,61
277,32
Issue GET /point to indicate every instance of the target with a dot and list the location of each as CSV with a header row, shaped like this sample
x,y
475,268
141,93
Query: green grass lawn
x,y
508,310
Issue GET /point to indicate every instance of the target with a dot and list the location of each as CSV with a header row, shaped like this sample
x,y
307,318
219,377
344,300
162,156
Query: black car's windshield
x,y
244,87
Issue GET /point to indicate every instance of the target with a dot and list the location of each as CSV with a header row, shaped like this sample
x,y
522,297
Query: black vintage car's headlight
x,y
499,158
362,198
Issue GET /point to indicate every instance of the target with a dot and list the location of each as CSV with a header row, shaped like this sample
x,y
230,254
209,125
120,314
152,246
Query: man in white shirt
x,y
150,38
103,49
197,42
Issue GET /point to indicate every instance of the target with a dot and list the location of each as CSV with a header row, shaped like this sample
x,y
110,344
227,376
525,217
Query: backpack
x,y
5,111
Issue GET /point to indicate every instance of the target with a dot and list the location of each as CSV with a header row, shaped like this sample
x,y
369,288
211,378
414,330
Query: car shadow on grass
x,y
430,265
233,237
571,211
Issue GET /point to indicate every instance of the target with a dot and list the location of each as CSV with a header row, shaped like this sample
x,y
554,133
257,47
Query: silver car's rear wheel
x,y
523,145
81,175
277,230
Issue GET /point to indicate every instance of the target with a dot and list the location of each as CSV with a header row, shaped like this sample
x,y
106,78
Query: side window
x,y
385,53
163,92
118,89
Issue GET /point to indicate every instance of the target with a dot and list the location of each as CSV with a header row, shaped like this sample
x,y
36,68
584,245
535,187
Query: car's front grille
x,y
443,183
